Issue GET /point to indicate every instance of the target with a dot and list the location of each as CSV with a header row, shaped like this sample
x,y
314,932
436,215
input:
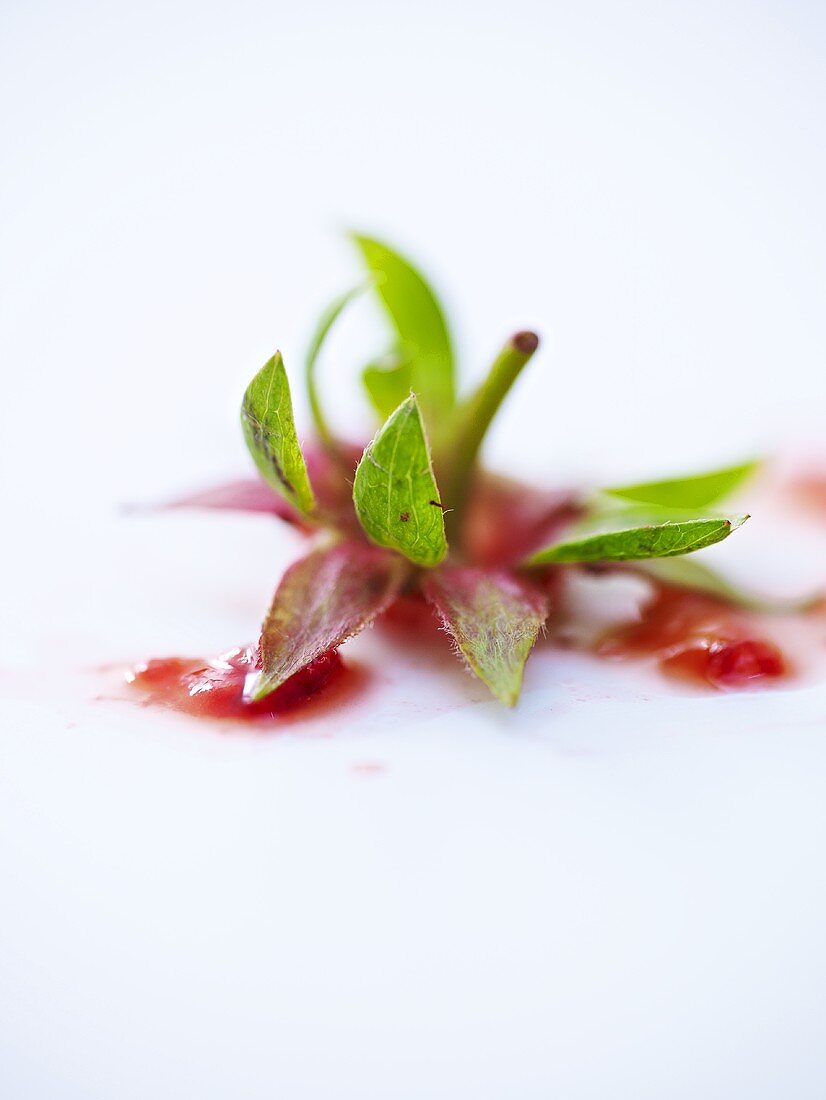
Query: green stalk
x,y
473,418
326,322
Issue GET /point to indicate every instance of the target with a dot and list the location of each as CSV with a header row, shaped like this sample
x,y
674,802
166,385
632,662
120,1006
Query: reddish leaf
x,y
332,485
494,618
323,600
506,519
248,494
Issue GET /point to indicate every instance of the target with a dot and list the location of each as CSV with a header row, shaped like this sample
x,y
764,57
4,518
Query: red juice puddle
x,y
368,768
215,688
808,491
697,638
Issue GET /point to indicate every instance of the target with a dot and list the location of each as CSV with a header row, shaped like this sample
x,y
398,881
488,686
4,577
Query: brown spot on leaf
x,y
404,516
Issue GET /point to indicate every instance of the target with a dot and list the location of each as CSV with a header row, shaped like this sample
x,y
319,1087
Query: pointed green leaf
x,y
395,493
688,573
269,430
387,382
419,323
630,536
494,618
328,318
699,491
323,600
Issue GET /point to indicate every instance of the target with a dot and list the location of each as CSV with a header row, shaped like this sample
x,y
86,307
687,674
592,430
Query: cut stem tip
x,y
525,342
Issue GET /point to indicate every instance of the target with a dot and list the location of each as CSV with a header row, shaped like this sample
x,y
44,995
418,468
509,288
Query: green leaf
x,y
419,324
688,492
328,318
395,493
687,573
631,536
323,600
494,618
387,382
269,430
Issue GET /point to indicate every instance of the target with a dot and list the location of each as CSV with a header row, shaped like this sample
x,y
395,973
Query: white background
x,y
616,891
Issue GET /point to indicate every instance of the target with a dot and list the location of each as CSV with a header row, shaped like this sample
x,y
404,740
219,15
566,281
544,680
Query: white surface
x,y
616,891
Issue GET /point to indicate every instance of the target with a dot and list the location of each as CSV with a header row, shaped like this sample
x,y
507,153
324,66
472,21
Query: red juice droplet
x,y
215,688
695,637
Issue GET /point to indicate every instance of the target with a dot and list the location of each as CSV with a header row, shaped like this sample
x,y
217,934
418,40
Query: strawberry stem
x,y
473,418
